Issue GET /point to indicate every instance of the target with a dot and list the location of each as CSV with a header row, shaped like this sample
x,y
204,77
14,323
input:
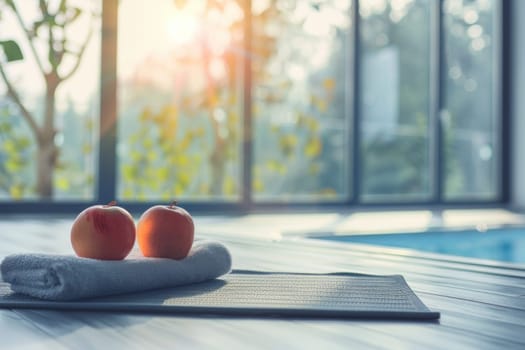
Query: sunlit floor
x,y
300,224
290,224
487,234
337,226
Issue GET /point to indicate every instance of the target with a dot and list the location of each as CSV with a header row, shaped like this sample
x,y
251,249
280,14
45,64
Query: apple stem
x,y
112,203
173,204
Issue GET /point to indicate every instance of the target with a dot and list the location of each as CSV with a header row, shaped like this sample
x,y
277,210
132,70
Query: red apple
x,y
105,232
165,231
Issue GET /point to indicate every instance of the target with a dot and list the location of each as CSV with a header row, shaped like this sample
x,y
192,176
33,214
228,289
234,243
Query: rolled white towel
x,y
68,277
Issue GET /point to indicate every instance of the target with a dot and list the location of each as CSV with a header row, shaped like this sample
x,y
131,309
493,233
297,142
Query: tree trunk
x,y
217,164
46,159
47,151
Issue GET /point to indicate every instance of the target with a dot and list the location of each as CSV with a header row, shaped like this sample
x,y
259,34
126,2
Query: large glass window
x,y
470,121
180,100
251,102
301,63
394,90
49,83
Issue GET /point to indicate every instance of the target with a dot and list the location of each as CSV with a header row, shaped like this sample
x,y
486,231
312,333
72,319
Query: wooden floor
x,y
482,304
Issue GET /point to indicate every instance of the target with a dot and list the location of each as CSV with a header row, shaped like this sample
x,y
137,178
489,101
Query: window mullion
x,y
107,161
437,86
355,156
247,130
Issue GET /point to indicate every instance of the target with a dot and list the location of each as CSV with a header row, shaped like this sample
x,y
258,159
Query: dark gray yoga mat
x,y
249,293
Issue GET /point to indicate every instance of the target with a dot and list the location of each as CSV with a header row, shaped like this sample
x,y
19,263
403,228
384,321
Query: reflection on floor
x,y
277,225
274,226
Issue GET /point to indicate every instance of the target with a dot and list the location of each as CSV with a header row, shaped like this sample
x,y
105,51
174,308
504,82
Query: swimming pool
x,y
507,245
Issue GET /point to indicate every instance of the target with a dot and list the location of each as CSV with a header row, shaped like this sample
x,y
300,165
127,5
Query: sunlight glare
x,y
183,28
217,69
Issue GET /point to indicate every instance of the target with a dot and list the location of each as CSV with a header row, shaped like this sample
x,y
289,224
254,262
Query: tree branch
x,y
79,55
52,53
28,36
16,99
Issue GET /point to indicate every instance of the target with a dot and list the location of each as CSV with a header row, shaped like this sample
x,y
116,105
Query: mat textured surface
x,y
249,293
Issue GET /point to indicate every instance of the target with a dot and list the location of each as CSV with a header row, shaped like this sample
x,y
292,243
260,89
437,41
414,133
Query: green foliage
x,y
395,162
393,166
161,160
48,35
12,51
398,163
470,122
74,174
291,159
299,103
15,156
186,144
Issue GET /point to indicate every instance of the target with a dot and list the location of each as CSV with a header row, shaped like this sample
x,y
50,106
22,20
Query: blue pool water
x,y
507,245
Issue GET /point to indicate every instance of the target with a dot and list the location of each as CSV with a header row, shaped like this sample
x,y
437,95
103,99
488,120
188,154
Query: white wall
x,y
518,105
